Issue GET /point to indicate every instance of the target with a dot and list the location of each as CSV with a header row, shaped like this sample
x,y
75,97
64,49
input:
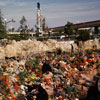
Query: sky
x,y
56,12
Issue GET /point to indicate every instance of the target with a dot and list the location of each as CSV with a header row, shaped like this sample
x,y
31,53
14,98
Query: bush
x,y
42,38
3,35
83,35
18,37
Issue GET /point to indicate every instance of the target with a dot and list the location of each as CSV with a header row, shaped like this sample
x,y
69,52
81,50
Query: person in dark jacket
x,y
94,91
36,92
46,67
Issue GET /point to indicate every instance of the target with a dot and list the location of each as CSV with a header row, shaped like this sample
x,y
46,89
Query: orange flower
x,y
11,93
8,96
7,83
38,74
3,78
16,76
47,80
95,59
60,98
14,98
17,85
73,66
41,67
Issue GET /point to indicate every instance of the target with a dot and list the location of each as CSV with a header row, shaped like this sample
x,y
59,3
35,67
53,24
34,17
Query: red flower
x,y
73,66
60,98
38,74
14,98
8,96
17,85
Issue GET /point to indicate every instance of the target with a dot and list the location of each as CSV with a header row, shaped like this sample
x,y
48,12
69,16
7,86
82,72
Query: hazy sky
x,y
56,12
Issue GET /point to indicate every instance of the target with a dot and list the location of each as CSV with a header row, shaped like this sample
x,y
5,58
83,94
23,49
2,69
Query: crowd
x,y
57,76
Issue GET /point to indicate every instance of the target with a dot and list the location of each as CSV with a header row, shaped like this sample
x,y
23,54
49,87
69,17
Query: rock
x,y
2,53
97,43
10,51
26,47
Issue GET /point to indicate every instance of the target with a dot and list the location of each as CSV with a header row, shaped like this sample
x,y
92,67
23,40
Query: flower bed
x,y
63,82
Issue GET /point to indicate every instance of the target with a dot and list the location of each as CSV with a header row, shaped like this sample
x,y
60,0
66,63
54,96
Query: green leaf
x,y
4,98
1,74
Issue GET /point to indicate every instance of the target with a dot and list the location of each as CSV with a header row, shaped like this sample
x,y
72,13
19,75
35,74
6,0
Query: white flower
x,y
76,99
10,70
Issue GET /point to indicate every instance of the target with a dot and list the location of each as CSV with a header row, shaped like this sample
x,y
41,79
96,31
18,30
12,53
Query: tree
x,y
3,33
32,29
23,27
69,28
44,26
83,35
23,21
11,29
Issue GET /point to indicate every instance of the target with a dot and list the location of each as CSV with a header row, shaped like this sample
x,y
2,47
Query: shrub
x,y
18,37
83,35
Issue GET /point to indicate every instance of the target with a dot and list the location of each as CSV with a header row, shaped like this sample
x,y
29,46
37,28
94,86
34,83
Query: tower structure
x,y
39,19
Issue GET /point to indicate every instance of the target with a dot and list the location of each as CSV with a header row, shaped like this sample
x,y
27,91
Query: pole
x,y
6,22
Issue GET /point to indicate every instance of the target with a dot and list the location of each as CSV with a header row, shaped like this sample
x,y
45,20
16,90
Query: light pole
x,y
6,22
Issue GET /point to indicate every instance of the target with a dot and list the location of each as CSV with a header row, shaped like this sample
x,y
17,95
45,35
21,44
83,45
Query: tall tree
x,y
23,21
2,27
44,26
69,29
23,27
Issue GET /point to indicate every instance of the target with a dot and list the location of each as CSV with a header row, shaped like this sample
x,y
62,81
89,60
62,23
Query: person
x,y
46,67
36,92
94,91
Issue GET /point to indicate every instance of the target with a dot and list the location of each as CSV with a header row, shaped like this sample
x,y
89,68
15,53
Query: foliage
x,y
83,35
5,98
11,29
42,38
22,77
23,27
44,26
18,37
23,21
69,29
33,63
2,28
24,36
72,90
